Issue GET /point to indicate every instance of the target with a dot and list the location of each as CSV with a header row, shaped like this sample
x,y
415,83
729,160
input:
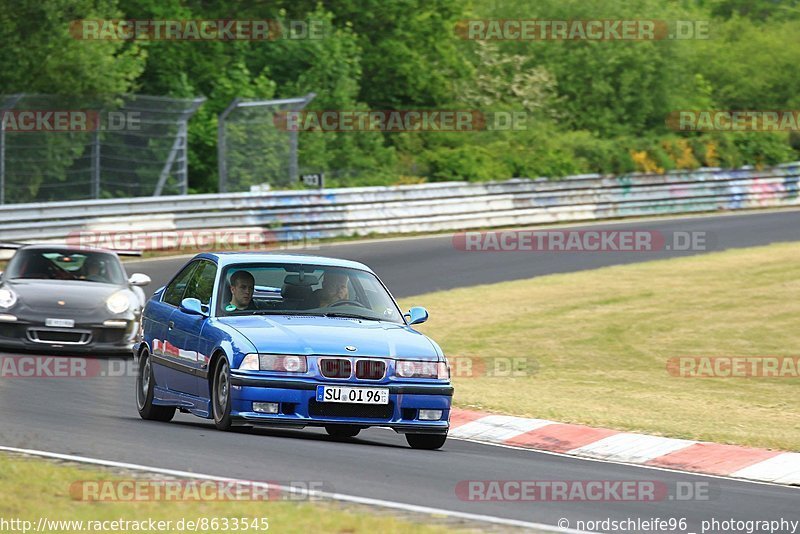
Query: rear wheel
x,y
342,431
426,441
145,382
221,395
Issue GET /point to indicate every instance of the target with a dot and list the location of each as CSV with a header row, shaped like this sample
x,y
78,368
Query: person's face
x,y
336,287
242,292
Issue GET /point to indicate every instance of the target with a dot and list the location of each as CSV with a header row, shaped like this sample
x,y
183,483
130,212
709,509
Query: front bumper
x,y
83,337
299,408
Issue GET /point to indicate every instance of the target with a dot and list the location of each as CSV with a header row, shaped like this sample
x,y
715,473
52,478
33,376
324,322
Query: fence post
x,y
293,172
96,163
181,144
2,159
183,132
221,148
12,101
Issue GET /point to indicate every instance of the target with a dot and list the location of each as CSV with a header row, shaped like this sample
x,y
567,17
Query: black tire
x,y
221,395
145,382
426,441
342,431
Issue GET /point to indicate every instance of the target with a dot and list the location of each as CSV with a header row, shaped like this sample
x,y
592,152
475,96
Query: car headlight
x,y
7,298
421,369
119,302
274,362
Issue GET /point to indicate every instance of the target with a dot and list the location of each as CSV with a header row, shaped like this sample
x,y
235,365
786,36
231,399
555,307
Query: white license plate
x,y
352,395
64,323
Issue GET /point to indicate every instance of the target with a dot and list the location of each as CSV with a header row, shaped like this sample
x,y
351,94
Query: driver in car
x,y
93,267
334,289
242,285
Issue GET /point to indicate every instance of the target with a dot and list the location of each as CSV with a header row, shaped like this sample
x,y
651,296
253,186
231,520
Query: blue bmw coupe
x,y
257,339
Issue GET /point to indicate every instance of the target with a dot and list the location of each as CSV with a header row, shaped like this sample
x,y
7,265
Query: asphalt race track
x,y
415,266
97,416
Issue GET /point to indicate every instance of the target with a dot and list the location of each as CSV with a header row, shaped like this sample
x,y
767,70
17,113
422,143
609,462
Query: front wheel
x,y
221,396
426,441
144,393
342,431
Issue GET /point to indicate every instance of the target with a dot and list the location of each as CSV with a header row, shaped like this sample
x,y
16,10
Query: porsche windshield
x,y
291,289
44,264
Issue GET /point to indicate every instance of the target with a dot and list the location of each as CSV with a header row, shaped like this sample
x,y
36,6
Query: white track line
x,y
310,493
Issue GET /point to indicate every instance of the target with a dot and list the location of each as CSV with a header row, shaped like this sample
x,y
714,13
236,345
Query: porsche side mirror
x,y
139,279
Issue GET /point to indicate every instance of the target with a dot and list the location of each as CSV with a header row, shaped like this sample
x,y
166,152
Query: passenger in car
x,y
93,267
334,289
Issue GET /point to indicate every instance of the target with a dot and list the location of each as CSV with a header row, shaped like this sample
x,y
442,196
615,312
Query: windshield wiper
x,y
351,316
289,313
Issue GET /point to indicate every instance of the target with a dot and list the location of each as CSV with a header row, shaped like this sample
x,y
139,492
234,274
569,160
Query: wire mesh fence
x,y
71,148
254,148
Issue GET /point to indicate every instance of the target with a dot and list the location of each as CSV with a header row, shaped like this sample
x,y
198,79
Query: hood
x,y
330,335
76,295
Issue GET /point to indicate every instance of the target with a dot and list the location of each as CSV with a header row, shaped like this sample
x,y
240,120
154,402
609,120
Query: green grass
x,y
31,488
602,340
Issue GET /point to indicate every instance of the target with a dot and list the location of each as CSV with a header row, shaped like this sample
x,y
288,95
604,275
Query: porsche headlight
x,y
119,302
7,298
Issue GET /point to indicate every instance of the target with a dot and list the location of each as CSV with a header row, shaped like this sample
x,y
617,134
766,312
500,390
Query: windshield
x,y
43,264
293,289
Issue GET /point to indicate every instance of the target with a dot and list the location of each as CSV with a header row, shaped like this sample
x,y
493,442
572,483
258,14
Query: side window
x,y
201,284
174,292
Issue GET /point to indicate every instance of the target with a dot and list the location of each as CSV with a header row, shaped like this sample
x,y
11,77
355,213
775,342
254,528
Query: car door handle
x,y
171,325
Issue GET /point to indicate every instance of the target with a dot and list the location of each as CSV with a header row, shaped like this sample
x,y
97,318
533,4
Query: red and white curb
x,y
749,463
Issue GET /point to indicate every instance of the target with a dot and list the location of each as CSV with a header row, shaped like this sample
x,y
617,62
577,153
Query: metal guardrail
x,y
414,208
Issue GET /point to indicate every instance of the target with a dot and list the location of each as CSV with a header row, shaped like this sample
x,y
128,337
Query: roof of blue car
x,y
228,258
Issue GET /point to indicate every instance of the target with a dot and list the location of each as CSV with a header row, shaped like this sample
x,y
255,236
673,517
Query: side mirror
x,y
139,279
417,315
193,307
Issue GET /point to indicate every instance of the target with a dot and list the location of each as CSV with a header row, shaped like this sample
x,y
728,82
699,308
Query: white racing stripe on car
x,y
319,494
497,427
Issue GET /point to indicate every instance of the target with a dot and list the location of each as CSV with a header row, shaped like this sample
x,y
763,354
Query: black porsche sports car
x,y
73,299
